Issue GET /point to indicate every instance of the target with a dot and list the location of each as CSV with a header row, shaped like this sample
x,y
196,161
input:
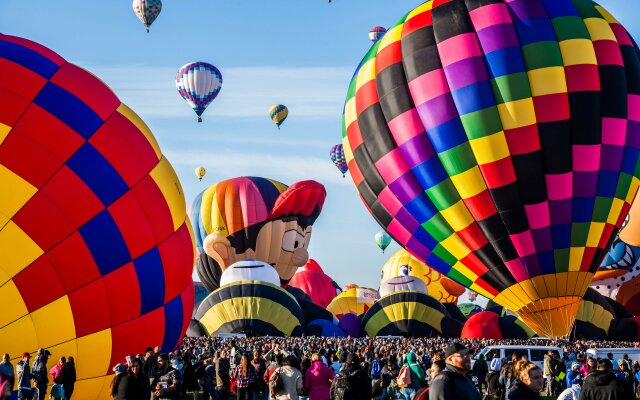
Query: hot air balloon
x,y
355,300
319,286
256,218
595,317
199,84
278,114
376,33
200,172
337,156
482,325
409,314
440,287
95,246
497,143
383,240
469,309
147,11
402,283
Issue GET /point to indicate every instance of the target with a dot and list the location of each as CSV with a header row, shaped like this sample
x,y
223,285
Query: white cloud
x,y
247,92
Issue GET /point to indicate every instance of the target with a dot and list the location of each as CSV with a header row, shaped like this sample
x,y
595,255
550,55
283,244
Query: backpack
x,y
58,379
341,387
375,369
276,384
404,377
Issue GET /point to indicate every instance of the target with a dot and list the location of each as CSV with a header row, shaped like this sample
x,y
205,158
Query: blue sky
x,y
301,53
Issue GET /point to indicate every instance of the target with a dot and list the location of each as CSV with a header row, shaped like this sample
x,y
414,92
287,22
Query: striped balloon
x,y
147,11
337,156
278,114
199,84
376,33
498,140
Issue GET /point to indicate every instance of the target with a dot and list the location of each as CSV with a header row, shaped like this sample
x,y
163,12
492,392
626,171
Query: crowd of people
x,y
322,368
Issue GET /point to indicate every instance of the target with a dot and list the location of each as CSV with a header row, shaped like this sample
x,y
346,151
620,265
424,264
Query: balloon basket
x,y
199,119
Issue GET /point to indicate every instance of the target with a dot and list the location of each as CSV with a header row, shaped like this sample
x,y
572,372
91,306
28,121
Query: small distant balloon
x,y
376,33
199,84
200,172
383,240
278,114
337,156
147,11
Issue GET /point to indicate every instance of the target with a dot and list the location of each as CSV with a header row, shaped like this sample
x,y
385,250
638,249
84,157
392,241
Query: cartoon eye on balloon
x,y
491,156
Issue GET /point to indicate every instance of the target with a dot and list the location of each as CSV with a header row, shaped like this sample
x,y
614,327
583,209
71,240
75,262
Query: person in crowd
x,y
454,381
351,383
388,377
510,377
69,377
480,370
208,380
260,365
123,386
151,361
636,377
167,384
624,372
573,373
23,371
603,384
587,367
416,376
136,370
529,382
318,378
6,368
336,365
245,376
39,373
57,392
495,391
547,369
223,379
292,380
572,392
6,383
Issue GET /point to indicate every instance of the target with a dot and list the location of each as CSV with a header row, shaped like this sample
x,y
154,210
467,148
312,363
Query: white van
x,y
535,353
634,354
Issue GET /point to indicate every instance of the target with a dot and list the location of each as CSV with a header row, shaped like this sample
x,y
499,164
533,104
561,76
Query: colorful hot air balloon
x,y
200,172
147,11
497,141
278,114
96,251
319,286
383,240
199,84
376,33
337,156
355,300
440,287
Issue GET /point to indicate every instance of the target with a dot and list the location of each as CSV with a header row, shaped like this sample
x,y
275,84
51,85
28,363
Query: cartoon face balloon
x,y
260,219
402,283
249,270
402,263
96,252
498,142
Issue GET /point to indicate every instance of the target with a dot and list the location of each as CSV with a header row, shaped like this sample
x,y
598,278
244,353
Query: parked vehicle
x,y
535,353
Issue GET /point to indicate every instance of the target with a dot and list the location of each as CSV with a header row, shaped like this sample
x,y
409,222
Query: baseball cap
x,y
456,348
25,354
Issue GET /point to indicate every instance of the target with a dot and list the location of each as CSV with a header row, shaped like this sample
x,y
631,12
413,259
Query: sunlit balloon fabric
x,y
200,172
147,11
498,141
96,252
253,307
278,113
314,282
355,300
376,33
337,156
440,287
199,84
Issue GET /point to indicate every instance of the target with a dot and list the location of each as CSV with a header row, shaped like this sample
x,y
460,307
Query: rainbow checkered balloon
x,y
96,251
337,156
498,140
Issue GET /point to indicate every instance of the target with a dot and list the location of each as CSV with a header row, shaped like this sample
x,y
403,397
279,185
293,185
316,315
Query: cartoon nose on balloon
x,y
300,256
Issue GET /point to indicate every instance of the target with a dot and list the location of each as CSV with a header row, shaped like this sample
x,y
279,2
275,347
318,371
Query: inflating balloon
x,y
319,286
482,325
383,240
257,218
440,287
255,308
200,172
409,314
497,142
595,317
402,283
355,301
147,11
469,309
376,33
337,156
198,83
278,113
96,252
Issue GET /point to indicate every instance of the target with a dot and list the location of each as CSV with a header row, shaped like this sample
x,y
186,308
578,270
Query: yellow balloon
x,y
200,172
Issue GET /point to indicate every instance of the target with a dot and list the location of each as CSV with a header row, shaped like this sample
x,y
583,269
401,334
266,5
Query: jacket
x,y
128,389
222,373
521,392
604,385
24,375
452,384
351,384
572,393
317,381
292,380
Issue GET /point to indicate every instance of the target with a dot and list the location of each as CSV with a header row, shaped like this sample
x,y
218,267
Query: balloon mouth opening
x,y
551,317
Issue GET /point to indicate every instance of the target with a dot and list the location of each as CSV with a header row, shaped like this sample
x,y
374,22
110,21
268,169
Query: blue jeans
x,y
407,392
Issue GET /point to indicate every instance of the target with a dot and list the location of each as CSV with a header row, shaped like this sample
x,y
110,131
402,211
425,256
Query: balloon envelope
x,y
468,134
383,240
278,113
337,156
402,283
319,286
96,247
198,83
376,33
356,301
147,11
483,325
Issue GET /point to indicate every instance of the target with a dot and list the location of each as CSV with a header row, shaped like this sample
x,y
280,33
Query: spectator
x,y
57,392
336,365
416,376
136,370
24,378
454,382
548,372
495,391
151,361
6,368
123,386
572,392
223,380
573,373
292,380
530,382
39,374
317,380
510,378
480,370
260,366
6,383
603,384
351,383
167,384
587,367
246,377
388,377
69,377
